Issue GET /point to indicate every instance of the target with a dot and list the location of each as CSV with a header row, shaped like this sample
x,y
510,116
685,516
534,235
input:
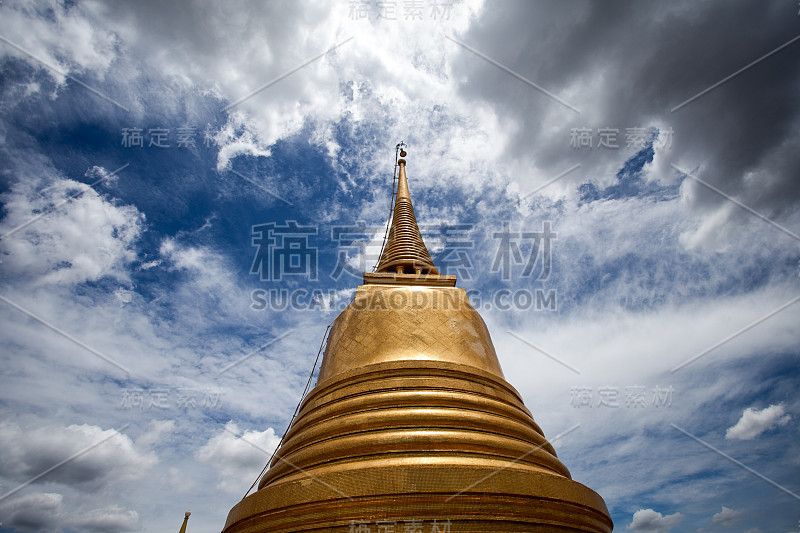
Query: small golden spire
x,y
405,251
185,519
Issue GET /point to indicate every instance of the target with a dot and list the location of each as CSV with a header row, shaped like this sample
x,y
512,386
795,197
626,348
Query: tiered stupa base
x,y
430,443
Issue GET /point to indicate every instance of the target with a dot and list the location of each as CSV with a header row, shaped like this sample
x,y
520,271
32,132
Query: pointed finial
x,y
405,251
185,520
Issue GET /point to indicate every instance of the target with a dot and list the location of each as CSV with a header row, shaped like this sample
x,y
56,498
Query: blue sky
x,y
128,288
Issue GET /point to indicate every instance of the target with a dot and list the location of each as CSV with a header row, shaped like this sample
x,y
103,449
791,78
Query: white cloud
x,y
210,277
606,345
333,299
83,239
390,73
111,519
727,517
123,295
155,432
65,39
238,137
238,459
652,521
754,422
150,264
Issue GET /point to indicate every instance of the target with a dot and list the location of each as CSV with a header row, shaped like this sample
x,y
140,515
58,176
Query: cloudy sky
x,y
189,192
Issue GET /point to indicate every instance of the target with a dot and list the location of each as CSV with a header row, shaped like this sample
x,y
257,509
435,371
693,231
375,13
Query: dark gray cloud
x,y
32,512
46,511
627,64
100,456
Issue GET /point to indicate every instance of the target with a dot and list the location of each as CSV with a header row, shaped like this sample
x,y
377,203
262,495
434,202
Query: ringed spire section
x,y
405,251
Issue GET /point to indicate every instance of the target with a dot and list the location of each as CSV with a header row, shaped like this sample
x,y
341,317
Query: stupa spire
x,y
405,251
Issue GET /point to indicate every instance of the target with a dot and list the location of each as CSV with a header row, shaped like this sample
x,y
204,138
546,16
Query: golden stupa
x,y
411,426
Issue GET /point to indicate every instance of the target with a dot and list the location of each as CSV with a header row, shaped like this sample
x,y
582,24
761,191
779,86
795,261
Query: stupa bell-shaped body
x,y
412,424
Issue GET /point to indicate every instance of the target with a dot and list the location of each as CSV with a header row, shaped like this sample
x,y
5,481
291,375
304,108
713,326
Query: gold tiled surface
x,y
474,498
417,440
429,413
390,323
